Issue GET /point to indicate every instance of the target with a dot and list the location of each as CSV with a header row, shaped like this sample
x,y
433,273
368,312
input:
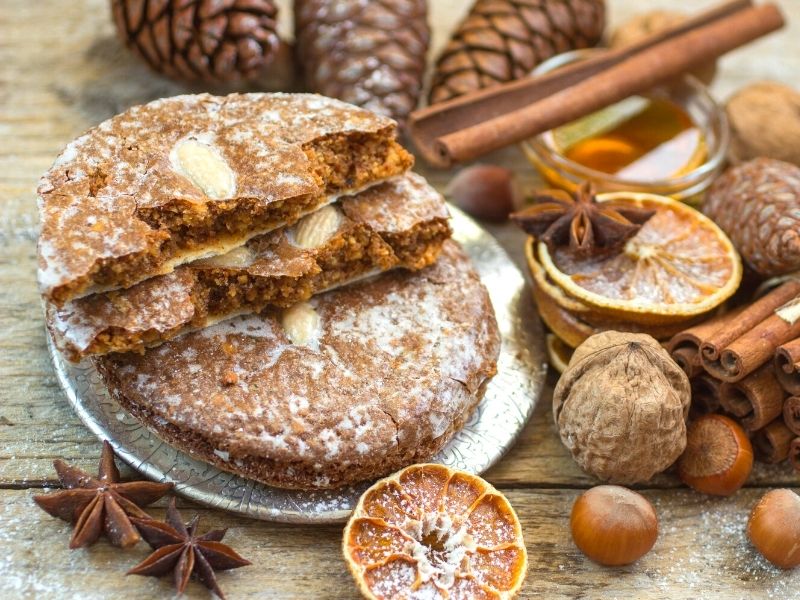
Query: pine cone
x,y
757,204
209,40
367,52
503,40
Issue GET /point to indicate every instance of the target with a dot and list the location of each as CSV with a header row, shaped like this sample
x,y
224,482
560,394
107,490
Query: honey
x,y
671,141
638,139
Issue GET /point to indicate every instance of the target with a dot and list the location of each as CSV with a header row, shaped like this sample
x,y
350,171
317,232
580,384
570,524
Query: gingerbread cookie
x,y
349,386
399,223
191,176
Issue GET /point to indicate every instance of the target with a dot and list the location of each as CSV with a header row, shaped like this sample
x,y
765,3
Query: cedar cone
x,y
503,40
370,53
757,204
208,40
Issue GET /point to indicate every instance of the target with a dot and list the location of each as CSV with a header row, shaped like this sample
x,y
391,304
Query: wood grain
x,y
702,551
62,71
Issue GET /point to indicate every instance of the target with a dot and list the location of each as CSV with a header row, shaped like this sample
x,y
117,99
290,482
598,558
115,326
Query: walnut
x,y
765,121
621,407
641,25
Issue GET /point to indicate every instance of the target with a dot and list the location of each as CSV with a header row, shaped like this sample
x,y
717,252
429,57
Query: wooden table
x,y
61,71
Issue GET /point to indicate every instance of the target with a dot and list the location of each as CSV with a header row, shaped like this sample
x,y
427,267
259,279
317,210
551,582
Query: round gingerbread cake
x,y
349,386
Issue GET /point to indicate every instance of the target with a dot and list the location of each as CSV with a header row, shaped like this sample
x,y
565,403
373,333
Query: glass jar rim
x,y
711,164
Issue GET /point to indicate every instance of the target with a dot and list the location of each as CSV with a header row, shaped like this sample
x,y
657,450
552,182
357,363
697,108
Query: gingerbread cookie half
x,y
192,176
349,386
399,223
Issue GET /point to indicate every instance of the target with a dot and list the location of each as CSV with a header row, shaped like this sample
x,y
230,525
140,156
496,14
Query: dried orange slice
x,y
680,264
558,352
432,532
573,321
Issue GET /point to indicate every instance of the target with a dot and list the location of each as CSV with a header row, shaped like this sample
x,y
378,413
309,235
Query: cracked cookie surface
x,y
392,369
179,178
399,223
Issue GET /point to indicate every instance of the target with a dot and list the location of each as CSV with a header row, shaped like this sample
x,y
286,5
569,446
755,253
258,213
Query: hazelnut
x,y
621,407
774,528
613,525
486,192
718,456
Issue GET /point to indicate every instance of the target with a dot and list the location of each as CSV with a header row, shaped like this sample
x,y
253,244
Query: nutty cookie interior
x,y
339,163
399,223
218,292
193,176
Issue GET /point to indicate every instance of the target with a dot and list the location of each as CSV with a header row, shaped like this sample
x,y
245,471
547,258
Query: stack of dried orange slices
x,y
624,261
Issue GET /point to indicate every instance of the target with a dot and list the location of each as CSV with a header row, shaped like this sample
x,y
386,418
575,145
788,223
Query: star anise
x,y
102,504
179,550
587,226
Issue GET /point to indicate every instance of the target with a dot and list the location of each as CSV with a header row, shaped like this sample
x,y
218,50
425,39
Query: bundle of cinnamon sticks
x,y
746,363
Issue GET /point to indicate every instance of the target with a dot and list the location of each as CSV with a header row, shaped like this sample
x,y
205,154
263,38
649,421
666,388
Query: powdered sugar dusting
x,y
153,305
410,201
123,167
390,352
163,304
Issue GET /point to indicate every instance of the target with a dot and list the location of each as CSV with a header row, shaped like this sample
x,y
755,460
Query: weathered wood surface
x,y
61,71
701,553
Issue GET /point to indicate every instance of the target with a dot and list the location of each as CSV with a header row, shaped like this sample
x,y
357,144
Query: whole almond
x,y
238,258
317,228
203,165
301,323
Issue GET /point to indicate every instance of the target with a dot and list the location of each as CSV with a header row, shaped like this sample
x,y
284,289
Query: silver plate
x,y
509,400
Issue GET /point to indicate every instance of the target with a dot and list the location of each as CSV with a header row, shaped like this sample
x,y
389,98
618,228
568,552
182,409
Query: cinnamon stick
x,y
705,395
771,443
688,359
787,366
684,347
748,342
754,401
794,454
791,414
474,124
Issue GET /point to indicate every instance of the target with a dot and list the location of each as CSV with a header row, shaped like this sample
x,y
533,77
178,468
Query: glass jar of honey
x,y
671,141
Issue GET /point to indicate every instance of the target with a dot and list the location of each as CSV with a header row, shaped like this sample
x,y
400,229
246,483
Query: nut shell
x,y
613,525
774,528
621,407
757,204
765,122
486,192
718,456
